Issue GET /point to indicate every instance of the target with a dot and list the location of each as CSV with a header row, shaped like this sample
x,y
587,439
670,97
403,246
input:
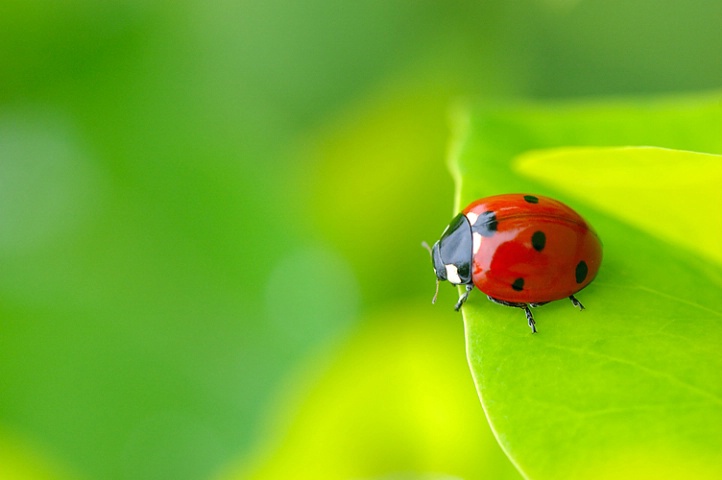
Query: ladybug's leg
x,y
576,302
529,317
463,297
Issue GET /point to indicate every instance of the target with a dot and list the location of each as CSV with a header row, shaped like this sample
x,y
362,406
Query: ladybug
x,y
520,250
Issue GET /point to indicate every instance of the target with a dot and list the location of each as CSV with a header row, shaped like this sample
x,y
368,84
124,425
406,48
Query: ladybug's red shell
x,y
530,249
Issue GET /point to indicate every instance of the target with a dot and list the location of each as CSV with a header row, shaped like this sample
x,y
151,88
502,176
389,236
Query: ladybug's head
x,y
452,254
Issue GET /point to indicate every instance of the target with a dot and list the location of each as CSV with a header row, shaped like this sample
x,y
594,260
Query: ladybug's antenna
x,y
436,294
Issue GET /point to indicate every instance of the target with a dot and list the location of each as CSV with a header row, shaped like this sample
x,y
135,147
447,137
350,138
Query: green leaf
x,y
618,182
632,386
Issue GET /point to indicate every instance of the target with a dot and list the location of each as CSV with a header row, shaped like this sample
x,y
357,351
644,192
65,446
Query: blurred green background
x,y
210,217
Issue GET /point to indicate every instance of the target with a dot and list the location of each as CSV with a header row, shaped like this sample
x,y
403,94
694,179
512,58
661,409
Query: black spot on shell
x,y
582,271
538,241
486,224
518,284
531,199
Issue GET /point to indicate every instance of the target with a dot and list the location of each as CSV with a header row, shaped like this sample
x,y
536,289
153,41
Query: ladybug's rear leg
x,y
529,317
576,302
464,296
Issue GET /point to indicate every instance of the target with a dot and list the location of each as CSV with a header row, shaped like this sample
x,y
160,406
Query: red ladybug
x,y
520,250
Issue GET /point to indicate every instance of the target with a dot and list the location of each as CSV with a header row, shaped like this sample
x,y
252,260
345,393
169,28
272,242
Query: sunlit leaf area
x,y
211,216
631,386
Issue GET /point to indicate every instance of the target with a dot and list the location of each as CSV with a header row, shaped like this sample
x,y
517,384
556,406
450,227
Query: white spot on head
x,y
477,241
452,274
472,217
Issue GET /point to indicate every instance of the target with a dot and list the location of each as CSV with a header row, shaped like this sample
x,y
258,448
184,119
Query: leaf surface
x,y
632,386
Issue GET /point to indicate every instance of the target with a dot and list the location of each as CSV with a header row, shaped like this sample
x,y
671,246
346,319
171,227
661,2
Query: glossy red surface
x,y
507,254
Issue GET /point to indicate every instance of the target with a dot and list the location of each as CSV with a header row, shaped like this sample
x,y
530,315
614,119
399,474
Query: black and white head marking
x,y
452,254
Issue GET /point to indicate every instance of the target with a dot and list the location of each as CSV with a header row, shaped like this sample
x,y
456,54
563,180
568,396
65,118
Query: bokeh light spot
x,y
47,185
311,295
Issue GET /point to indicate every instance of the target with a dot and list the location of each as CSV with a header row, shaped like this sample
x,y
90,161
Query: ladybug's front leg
x,y
463,297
